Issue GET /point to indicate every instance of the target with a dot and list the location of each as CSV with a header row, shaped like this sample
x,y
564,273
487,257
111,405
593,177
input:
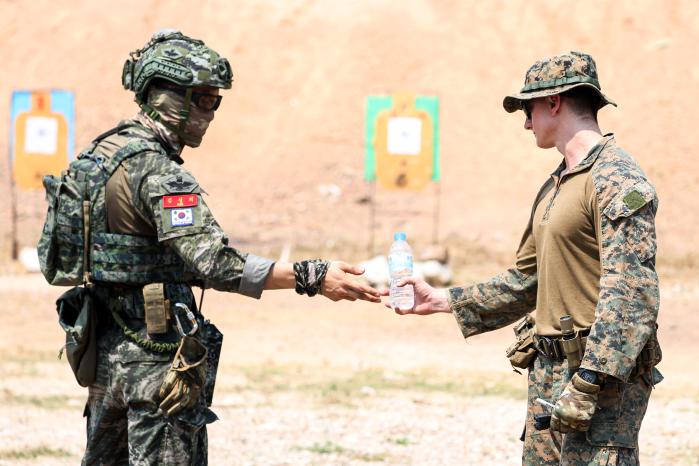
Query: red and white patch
x,y
180,200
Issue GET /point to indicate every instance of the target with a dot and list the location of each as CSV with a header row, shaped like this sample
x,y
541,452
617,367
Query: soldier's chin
x,y
191,140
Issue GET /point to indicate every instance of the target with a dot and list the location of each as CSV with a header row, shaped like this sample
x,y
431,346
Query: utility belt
x,y
555,347
156,317
571,348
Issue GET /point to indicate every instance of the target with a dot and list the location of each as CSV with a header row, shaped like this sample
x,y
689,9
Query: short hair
x,y
583,101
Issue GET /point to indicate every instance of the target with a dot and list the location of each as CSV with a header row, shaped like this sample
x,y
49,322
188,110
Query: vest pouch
x,y
61,244
78,318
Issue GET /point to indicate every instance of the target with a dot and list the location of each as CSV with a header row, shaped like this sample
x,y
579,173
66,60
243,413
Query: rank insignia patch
x,y
181,217
180,200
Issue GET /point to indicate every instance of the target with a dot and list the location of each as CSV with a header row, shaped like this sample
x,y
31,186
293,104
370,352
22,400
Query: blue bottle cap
x,y
399,236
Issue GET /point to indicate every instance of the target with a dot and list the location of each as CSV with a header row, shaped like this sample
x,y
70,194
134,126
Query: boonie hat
x,y
557,74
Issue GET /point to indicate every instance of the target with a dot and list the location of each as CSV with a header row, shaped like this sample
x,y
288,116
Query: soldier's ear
x,y
554,103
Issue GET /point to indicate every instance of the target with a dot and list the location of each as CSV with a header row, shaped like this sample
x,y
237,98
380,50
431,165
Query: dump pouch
x,y
78,318
212,339
522,352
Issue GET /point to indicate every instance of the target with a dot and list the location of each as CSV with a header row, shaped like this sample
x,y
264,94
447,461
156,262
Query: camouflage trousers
x,y
124,424
613,435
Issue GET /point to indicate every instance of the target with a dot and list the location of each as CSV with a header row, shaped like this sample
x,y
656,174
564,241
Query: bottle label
x,y
400,262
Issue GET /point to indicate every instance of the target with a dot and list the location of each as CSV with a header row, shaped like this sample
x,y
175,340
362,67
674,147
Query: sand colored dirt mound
x,y
294,119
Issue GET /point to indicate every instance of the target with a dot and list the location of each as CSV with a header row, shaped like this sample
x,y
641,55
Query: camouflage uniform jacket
x,y
621,313
151,194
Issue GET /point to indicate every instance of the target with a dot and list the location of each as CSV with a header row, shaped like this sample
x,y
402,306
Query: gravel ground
x,y
347,386
390,428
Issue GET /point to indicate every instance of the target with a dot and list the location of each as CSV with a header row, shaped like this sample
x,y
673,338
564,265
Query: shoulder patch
x,y
634,200
180,183
630,200
173,184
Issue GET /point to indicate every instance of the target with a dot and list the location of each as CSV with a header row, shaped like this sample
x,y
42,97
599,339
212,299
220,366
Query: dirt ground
x,y
304,382
307,382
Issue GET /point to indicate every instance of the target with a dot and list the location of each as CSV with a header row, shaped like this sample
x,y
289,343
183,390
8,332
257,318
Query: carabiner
x,y
190,316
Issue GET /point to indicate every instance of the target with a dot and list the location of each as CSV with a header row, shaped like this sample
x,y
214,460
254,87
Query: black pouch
x,y
78,317
212,339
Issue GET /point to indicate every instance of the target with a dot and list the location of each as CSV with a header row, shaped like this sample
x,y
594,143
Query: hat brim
x,y
512,103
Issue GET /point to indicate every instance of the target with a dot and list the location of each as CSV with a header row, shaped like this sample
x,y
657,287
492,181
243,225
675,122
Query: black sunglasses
x,y
527,110
206,102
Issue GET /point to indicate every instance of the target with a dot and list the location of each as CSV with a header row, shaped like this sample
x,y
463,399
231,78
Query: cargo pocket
x,y
615,422
141,373
185,439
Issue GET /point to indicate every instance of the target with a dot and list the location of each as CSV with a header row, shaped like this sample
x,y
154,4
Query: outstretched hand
x,y
338,284
428,300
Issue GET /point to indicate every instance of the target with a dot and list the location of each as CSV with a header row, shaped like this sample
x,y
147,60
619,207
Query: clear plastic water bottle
x,y
400,266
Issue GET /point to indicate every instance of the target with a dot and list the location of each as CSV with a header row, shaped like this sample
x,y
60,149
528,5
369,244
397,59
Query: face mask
x,y
168,105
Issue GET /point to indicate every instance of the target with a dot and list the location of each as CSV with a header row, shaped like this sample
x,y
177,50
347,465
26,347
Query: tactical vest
x,y
75,245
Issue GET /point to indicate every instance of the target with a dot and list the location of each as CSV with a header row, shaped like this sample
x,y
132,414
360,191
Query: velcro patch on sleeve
x,y
181,200
634,200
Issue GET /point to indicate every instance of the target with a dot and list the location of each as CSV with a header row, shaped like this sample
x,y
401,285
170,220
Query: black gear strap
x,y
309,275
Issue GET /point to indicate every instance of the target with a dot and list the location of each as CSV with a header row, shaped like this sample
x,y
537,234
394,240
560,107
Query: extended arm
x,y
489,305
198,239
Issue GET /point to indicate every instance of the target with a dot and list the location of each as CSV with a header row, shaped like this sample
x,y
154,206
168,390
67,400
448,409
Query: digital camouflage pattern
x,y
576,406
629,298
612,438
627,306
494,304
628,284
177,58
555,75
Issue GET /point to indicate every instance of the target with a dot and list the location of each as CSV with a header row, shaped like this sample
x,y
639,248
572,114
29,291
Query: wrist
x,y
441,300
583,385
589,376
309,276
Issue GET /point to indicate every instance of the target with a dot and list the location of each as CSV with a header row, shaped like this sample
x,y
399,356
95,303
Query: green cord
x,y
147,344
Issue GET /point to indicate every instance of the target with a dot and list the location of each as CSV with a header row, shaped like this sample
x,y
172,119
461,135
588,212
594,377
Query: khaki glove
x,y
575,406
186,377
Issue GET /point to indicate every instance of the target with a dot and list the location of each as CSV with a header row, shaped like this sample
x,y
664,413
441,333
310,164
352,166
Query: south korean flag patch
x,y
181,217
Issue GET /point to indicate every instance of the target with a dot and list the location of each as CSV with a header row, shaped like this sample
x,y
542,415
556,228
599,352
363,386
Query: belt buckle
x,y
543,344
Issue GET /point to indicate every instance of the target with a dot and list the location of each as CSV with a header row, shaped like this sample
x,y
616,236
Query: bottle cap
x,y
399,236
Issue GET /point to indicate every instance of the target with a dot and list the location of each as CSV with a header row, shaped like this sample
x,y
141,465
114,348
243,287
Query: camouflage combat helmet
x,y
177,58
555,75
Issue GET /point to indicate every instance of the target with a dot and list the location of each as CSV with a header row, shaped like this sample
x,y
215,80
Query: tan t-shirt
x,y
565,228
588,251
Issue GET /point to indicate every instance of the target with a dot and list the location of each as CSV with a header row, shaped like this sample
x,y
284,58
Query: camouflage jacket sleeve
x,y
504,298
173,199
627,309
